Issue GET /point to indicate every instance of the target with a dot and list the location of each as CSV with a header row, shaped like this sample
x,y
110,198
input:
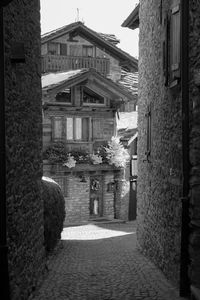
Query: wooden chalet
x,y
76,46
79,110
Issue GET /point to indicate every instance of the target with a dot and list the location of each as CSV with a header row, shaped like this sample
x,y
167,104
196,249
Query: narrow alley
x,y
102,262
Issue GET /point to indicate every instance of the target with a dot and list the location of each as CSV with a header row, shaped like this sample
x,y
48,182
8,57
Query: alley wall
x,y
194,105
159,124
23,146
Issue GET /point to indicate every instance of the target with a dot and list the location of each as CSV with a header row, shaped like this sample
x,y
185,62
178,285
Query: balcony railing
x,y
53,63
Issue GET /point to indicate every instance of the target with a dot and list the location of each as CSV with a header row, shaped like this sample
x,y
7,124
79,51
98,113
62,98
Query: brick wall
x,y
160,180
23,148
194,95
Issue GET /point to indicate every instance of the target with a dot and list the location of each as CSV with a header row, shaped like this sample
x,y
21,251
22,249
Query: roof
x,y
127,121
54,79
129,81
132,21
57,80
127,126
109,37
103,41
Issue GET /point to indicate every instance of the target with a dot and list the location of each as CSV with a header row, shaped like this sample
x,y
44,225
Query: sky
x,y
104,16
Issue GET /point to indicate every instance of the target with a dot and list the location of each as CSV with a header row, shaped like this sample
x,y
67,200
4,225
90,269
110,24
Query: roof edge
x,y
132,21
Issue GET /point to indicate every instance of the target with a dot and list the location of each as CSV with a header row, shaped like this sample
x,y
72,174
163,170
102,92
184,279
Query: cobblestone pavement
x,y
101,262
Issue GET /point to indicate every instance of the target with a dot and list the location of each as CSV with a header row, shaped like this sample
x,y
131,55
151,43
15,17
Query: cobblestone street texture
x,y
101,262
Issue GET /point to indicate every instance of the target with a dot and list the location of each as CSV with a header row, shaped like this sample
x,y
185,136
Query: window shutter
x,y
166,48
57,127
97,127
148,117
175,43
63,49
85,129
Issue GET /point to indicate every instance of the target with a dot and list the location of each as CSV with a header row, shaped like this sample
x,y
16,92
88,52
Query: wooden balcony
x,y
53,63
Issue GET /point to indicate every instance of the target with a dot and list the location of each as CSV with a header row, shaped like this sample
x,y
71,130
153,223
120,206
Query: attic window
x,y
64,96
90,97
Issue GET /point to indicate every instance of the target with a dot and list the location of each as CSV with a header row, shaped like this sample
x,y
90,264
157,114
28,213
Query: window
x,y
63,49
53,48
75,50
71,128
171,46
87,51
78,129
90,97
64,96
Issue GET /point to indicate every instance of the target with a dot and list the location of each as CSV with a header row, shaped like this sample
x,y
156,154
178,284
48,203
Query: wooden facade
x,y
82,94
76,46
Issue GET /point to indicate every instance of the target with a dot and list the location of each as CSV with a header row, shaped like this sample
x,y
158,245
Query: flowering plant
x,y
96,159
71,162
116,154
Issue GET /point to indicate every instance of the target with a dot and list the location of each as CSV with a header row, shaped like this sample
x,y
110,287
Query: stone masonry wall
x,y
160,179
194,96
23,148
77,201
108,196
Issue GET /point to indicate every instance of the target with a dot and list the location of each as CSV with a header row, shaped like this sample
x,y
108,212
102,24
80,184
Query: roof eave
x,y
132,21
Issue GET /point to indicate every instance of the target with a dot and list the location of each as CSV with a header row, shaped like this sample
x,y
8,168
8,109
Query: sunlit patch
x,y
91,232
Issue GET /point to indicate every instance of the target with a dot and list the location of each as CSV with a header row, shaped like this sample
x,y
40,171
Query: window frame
x,y
56,45
91,104
86,48
74,128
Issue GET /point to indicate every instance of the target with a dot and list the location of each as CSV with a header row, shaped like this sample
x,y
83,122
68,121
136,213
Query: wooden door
x,y
96,196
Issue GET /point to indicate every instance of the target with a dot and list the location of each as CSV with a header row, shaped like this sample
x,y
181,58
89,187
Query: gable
x,y
55,82
79,29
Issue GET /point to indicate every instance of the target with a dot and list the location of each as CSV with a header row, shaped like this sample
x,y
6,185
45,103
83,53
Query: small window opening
x,y
64,96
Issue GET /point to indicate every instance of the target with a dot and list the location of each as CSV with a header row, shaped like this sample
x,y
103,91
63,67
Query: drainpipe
x,y
184,278
5,292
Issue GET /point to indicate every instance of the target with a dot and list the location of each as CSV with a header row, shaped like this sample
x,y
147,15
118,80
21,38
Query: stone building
x,y
21,89
169,138
85,82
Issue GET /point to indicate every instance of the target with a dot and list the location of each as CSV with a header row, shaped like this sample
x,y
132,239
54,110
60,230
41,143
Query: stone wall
x,y
194,95
77,190
77,200
23,147
160,178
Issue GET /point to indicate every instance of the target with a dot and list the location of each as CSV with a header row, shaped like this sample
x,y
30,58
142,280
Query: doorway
x,y
96,196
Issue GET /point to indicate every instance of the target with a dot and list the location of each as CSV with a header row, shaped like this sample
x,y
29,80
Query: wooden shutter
x,y
63,49
85,129
97,128
148,120
166,48
175,43
57,127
